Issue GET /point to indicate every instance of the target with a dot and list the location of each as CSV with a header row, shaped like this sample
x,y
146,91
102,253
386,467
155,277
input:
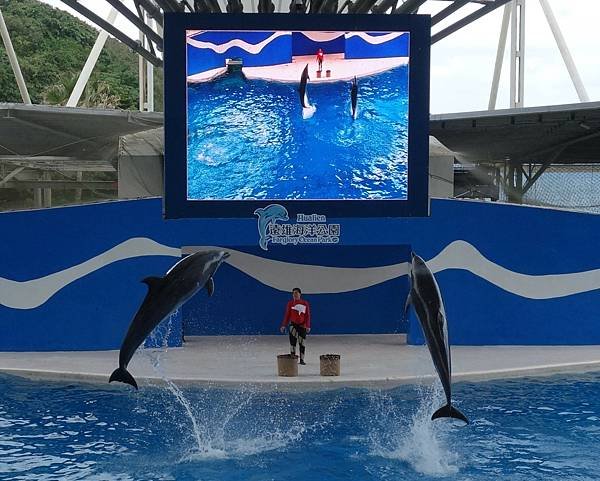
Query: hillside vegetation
x,y
52,47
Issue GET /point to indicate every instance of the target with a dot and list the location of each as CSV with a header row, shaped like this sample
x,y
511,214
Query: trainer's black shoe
x,y
302,362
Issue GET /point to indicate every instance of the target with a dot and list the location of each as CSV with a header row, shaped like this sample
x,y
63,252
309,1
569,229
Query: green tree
x,y
52,47
97,93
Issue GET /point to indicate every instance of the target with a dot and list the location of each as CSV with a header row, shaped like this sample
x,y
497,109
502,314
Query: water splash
x,y
416,439
155,358
214,431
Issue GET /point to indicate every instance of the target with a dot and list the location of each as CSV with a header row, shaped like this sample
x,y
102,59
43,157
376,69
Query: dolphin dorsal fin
x,y
210,286
153,283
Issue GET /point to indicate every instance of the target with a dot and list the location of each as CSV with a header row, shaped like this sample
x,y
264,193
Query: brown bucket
x,y
287,365
327,73
330,364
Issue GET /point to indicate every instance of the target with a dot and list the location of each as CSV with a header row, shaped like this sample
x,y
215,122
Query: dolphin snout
x,y
225,255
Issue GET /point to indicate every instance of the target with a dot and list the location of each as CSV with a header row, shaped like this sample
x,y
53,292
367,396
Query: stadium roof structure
x,y
31,132
153,10
61,139
69,139
558,134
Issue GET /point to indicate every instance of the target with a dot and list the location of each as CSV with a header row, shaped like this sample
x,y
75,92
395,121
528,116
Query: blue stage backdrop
x,y
376,45
70,277
302,44
208,50
258,309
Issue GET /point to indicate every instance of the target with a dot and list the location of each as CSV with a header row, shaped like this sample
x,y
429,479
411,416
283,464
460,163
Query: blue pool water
x,y
247,139
527,429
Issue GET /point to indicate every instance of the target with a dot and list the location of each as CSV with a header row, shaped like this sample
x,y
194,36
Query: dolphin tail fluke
x,y
449,411
122,375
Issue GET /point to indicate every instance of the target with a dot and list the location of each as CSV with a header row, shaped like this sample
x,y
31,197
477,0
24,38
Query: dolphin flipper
x,y
153,283
449,411
210,286
122,375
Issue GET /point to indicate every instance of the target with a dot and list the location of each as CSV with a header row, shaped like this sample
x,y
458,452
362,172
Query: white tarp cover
x,y
141,161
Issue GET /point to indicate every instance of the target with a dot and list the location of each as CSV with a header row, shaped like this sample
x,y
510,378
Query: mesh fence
x,y
572,187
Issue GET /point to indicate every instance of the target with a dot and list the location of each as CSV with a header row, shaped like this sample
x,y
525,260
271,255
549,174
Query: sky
x,y
462,64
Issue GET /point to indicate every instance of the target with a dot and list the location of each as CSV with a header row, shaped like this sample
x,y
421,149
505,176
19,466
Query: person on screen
x,y
297,315
320,56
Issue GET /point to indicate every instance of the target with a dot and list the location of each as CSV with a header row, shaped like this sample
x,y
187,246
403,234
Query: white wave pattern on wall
x,y
375,39
322,36
284,276
33,293
236,42
462,255
314,279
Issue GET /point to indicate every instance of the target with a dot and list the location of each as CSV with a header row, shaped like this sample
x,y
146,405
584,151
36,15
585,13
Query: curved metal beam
x,y
463,22
114,31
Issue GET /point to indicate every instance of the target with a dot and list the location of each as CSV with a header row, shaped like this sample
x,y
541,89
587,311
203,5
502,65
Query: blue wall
x,y
93,312
258,309
275,52
302,45
281,49
356,47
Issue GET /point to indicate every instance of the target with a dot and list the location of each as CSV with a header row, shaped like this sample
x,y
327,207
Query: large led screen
x,y
319,117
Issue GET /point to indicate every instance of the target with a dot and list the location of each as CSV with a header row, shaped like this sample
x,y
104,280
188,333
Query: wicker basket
x,y
287,365
330,364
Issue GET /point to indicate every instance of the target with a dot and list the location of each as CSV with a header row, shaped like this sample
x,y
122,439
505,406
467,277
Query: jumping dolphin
x,y
353,98
164,296
307,109
266,216
427,301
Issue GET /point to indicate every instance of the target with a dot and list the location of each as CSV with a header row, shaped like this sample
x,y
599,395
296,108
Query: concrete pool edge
x,y
380,361
307,383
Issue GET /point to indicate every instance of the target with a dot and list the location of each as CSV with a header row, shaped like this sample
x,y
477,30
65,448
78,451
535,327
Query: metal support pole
x,y
103,24
499,58
142,72
150,77
14,63
137,22
78,192
90,63
37,197
47,191
517,64
564,51
449,10
12,174
409,6
463,22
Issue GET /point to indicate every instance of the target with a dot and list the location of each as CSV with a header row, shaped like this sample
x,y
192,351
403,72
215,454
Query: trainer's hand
x,y
282,329
308,330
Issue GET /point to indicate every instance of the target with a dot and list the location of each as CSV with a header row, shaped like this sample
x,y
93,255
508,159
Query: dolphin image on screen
x,y
307,109
354,99
426,299
165,295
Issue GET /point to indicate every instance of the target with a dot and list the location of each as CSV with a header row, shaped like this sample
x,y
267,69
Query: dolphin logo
x,y
164,296
427,302
266,216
